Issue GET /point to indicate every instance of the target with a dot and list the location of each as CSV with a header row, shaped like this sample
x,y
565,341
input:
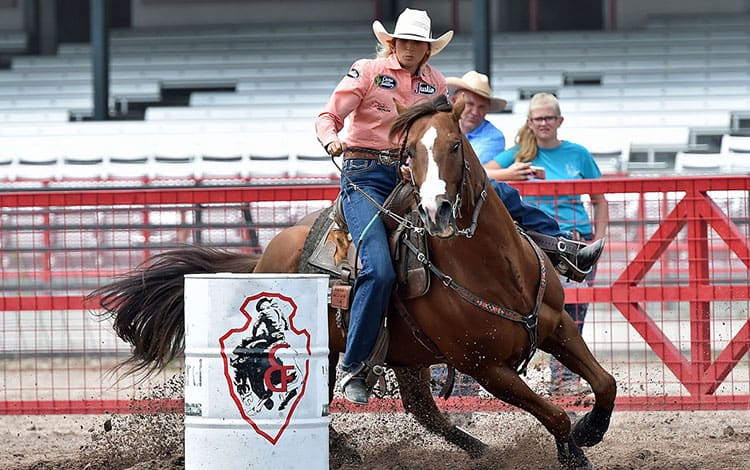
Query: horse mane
x,y
403,121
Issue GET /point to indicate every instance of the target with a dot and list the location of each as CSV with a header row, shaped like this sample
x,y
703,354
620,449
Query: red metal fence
x,y
668,316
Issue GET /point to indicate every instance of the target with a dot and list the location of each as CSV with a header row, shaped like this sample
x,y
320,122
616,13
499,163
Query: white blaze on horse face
x,y
433,186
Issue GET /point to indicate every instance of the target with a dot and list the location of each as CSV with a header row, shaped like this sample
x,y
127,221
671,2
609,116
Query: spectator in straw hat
x,y
366,95
486,139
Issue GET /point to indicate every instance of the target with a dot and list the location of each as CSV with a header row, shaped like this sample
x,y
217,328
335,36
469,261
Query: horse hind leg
x,y
568,346
416,396
505,384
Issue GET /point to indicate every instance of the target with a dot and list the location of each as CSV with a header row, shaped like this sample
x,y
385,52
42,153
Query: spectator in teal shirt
x,y
538,147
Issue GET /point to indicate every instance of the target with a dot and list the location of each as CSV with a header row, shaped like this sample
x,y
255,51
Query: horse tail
x,y
146,304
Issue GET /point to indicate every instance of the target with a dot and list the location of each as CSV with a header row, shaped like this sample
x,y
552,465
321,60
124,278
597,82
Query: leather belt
x,y
384,157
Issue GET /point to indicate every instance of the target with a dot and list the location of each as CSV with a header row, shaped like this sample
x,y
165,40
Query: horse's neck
x,y
495,223
496,250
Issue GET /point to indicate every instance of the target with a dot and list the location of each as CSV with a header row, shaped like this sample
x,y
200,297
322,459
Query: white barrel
x,y
256,371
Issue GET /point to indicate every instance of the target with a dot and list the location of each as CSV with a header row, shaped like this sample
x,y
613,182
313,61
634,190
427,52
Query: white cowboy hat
x,y
478,83
413,25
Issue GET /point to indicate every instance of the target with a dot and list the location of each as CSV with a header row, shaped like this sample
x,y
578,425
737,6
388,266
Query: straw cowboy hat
x,y
478,83
413,25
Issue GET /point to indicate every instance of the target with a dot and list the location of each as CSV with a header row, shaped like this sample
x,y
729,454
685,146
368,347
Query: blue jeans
x,y
374,283
527,216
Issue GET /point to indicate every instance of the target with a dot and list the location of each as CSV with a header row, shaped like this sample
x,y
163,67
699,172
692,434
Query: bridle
x,y
468,232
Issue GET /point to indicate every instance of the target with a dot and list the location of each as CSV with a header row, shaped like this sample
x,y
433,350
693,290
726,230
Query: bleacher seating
x,y
699,163
736,143
735,151
647,91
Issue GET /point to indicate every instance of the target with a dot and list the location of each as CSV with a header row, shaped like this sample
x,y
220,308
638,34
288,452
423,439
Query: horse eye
x,y
456,147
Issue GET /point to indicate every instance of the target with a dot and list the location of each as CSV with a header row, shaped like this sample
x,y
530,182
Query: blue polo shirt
x,y
487,141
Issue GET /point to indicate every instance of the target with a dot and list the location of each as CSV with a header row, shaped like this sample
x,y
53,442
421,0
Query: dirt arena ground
x,y
642,440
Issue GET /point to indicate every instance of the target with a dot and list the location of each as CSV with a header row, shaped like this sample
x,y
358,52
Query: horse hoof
x,y
590,429
571,457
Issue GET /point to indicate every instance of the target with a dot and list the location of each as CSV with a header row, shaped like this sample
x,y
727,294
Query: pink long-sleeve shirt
x,y
367,93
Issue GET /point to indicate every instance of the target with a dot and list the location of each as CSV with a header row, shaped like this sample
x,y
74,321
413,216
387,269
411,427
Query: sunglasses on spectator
x,y
541,119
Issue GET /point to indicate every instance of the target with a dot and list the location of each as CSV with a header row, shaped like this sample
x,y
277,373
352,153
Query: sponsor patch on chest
x,y
425,89
385,81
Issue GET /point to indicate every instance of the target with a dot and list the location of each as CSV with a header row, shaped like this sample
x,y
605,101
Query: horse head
x,y
434,146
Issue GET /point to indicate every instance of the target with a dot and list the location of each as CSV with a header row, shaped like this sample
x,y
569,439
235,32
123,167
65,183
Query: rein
x,y
381,208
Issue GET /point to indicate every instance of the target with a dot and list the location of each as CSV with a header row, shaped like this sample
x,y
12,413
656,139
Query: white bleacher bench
x,y
699,163
664,103
681,119
735,143
269,165
33,116
735,150
292,99
149,89
674,76
256,121
170,60
719,22
656,90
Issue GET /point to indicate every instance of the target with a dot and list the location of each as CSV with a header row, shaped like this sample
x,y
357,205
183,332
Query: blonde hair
x,y
384,50
525,137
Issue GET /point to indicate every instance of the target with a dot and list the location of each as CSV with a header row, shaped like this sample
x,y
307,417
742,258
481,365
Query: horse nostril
x,y
445,211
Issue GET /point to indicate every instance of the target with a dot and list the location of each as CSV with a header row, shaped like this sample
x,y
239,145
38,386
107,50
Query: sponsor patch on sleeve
x,y
385,81
353,73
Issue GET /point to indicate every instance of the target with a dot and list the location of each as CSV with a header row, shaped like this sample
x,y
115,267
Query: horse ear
x,y
458,107
400,108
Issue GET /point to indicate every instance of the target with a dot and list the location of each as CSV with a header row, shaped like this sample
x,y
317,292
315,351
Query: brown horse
x,y
484,273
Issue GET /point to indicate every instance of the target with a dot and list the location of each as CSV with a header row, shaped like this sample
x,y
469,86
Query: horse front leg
x,y
414,385
569,347
505,384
